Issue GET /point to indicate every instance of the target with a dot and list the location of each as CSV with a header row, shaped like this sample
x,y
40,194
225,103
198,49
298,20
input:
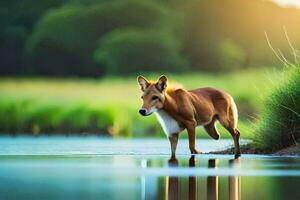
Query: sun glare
x,y
288,3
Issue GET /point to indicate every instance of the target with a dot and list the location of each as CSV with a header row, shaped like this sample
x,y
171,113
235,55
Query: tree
x,y
67,37
128,51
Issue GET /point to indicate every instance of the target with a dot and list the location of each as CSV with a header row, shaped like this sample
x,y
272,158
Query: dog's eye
x,y
154,98
142,97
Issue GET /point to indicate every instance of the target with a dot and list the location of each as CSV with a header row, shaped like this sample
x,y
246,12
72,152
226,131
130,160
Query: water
x,y
97,168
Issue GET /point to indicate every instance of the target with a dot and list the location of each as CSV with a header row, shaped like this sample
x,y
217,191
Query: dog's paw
x,y
195,151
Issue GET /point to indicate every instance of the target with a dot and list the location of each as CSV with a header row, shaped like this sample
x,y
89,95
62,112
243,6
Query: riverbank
x,y
250,149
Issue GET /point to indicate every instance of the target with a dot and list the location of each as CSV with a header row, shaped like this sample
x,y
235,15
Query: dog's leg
x,y
230,125
235,133
173,138
236,138
211,129
192,139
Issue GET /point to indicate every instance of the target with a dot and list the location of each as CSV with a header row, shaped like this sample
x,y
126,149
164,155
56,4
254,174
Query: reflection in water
x,y
212,183
172,182
234,181
135,178
59,168
192,180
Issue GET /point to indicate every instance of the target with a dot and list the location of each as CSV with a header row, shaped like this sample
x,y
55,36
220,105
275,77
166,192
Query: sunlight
x,y
288,3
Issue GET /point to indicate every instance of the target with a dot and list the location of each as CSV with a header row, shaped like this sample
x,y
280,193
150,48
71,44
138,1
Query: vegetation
x,y
61,37
64,39
102,38
110,105
279,125
119,50
208,23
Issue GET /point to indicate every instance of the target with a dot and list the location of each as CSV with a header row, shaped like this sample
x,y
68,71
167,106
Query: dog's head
x,y
153,94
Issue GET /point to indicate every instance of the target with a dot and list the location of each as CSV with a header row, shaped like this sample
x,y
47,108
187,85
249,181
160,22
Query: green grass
x,y
110,105
279,125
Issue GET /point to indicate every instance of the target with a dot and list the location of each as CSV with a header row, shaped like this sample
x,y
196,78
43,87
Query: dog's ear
x,y
162,83
143,82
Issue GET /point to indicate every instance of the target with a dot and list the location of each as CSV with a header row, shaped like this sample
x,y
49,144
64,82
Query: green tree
x,y
64,39
131,51
17,17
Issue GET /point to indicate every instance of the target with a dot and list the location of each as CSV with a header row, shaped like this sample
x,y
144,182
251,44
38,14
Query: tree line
x,y
121,37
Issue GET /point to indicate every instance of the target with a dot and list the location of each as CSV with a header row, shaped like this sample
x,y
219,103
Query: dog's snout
x,y
142,111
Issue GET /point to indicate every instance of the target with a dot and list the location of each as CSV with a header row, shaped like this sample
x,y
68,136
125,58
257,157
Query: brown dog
x,y
178,109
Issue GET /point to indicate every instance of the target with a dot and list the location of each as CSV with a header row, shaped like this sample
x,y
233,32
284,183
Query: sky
x,y
295,3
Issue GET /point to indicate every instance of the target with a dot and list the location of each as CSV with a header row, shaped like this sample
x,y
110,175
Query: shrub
x,y
132,51
16,21
64,39
279,126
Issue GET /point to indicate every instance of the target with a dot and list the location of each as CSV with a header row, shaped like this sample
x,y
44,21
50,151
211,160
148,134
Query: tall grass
x,y
279,126
110,106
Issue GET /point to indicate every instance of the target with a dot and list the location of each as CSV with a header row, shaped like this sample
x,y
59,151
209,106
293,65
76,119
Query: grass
x,y
110,105
279,125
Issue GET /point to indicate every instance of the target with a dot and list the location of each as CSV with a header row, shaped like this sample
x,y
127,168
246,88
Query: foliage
x,y
64,39
59,37
279,125
110,105
208,22
131,51
17,18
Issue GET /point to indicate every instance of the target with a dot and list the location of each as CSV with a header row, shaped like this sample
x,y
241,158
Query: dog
x,y
178,109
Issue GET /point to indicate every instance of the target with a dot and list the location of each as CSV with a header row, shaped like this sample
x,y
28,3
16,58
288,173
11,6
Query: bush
x,y
131,51
279,126
32,117
26,116
16,21
64,39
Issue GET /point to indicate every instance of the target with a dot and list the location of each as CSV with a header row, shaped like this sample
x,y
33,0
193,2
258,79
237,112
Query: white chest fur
x,y
169,124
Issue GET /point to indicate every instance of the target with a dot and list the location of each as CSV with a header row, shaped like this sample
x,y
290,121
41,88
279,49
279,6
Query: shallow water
x,y
97,168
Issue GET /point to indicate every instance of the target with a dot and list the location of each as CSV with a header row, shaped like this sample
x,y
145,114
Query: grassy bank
x,y
279,125
110,105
